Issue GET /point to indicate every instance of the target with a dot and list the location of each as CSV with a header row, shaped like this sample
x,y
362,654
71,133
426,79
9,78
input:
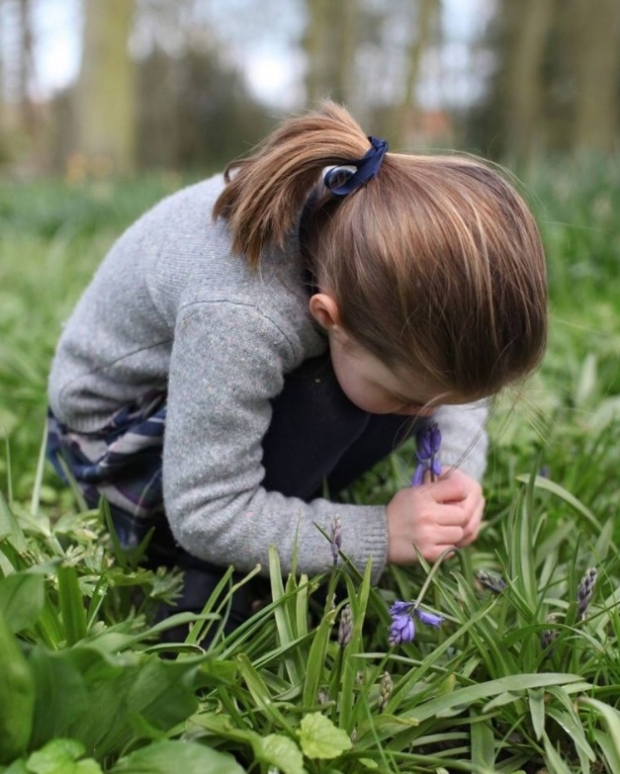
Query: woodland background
x,y
173,84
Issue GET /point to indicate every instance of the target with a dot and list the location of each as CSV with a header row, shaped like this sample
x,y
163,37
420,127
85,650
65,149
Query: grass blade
x,y
71,605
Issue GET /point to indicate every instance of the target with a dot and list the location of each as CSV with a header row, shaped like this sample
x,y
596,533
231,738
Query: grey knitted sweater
x,y
173,308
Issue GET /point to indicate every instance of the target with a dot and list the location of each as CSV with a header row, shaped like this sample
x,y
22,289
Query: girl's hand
x,y
443,514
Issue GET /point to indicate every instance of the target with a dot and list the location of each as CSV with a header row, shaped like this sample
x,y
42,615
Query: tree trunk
x,y
106,92
27,117
407,112
330,44
346,23
531,24
597,59
317,30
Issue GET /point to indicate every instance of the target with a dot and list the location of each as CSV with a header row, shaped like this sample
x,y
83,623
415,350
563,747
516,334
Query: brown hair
x,y
435,264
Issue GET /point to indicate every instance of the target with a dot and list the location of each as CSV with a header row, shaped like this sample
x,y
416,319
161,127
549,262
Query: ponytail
x,y
266,192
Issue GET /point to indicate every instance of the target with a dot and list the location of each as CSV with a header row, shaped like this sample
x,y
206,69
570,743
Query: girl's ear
x,y
324,309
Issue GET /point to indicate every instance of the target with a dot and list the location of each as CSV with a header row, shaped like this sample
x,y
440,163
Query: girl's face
x,y
365,380
373,387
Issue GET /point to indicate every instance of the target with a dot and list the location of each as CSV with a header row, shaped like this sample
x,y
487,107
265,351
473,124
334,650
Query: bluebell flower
x,y
428,445
345,627
585,592
401,608
402,629
385,690
402,626
490,581
548,636
430,619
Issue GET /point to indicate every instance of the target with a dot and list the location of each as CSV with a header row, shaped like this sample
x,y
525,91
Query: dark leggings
x,y
316,438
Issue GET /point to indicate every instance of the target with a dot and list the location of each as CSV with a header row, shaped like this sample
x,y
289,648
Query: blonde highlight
x,y
436,264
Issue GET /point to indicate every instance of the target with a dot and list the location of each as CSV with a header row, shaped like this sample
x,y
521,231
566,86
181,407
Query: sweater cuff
x,y
365,538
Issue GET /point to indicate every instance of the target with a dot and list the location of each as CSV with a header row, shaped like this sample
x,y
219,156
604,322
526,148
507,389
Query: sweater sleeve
x,y
463,437
228,362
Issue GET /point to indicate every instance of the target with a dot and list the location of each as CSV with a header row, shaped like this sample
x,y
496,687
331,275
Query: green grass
x,y
511,682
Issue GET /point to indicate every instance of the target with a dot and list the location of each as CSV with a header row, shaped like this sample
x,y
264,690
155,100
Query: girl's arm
x,y
228,362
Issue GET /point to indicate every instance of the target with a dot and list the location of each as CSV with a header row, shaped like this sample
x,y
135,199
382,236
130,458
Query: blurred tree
x,y
25,69
596,59
105,106
19,117
3,128
330,44
555,83
195,111
531,21
424,34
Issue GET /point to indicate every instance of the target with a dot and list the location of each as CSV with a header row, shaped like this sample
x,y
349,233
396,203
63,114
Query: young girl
x,y
268,335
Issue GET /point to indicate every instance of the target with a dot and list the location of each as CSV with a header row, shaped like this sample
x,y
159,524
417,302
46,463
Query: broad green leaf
x,y
536,698
169,756
223,727
71,605
275,750
611,719
260,693
22,597
10,528
60,756
280,751
94,697
482,744
508,697
285,620
606,744
463,697
569,721
320,738
523,560
359,603
17,767
316,658
554,760
88,766
17,697
62,698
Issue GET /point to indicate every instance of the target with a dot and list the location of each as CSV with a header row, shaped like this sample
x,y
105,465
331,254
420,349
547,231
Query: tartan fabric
x,y
122,462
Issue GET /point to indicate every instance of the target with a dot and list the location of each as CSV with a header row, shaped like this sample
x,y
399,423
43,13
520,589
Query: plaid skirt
x,y
121,462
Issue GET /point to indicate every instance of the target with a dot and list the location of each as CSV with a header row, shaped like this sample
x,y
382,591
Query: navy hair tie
x,y
348,177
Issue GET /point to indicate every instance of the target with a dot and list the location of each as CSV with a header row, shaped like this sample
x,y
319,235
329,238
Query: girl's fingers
x,y
450,489
450,536
451,516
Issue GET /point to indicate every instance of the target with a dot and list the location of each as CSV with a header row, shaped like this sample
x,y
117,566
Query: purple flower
x,y
402,626
418,476
402,629
428,443
401,608
430,619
